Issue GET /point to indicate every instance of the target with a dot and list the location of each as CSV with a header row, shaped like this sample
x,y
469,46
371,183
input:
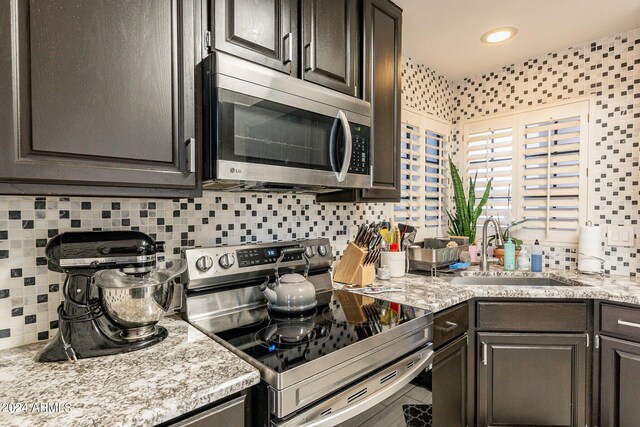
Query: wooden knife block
x,y
350,270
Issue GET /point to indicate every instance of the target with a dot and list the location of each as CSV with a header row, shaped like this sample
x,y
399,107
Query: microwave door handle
x,y
333,145
348,142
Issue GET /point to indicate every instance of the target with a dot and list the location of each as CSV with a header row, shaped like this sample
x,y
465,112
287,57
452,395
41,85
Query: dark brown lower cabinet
x,y
619,383
450,384
531,379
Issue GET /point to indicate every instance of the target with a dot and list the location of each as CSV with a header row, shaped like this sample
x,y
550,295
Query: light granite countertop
x,y
180,374
436,294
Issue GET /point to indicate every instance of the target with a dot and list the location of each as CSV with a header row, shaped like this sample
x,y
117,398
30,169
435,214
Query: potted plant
x,y
463,222
498,250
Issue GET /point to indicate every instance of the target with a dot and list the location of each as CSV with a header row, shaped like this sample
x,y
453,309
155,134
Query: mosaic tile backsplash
x,y
30,293
423,89
607,71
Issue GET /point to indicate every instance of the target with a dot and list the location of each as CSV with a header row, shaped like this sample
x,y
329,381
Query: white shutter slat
x,y
554,125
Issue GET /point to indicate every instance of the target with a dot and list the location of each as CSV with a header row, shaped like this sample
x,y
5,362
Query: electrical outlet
x,y
620,236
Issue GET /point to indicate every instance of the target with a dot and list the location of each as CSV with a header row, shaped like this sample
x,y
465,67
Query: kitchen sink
x,y
503,281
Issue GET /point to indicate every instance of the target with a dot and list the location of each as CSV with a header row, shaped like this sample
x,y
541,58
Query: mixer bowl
x,y
137,302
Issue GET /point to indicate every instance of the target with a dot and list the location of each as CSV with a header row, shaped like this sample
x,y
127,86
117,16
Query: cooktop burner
x,y
340,319
282,335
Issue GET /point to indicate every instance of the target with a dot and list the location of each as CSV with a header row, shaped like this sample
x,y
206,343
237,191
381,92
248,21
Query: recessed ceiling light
x,y
498,35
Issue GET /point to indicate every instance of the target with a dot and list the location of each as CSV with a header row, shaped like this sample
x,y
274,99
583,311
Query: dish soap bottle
x,y
523,259
536,258
509,255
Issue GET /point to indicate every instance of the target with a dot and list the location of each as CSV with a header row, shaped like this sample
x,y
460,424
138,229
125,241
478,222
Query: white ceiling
x,y
445,34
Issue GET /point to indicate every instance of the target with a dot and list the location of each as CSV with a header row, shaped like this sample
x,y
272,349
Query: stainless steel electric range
x,y
342,362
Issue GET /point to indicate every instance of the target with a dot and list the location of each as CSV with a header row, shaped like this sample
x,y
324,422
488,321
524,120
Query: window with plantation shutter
x,y
552,194
538,163
424,174
489,155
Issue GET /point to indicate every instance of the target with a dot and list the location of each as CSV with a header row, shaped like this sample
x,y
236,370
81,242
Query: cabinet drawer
x,y
532,316
450,324
618,320
229,414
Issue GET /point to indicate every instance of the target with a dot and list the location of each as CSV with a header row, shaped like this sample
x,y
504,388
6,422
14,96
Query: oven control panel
x,y
262,256
225,264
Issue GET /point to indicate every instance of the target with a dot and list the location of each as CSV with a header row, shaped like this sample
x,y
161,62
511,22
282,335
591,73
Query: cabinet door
x,y
261,31
531,379
99,93
450,384
619,383
384,51
381,81
330,43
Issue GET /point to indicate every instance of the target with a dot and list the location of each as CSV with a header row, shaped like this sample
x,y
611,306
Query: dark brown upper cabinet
x,y
382,66
100,95
330,44
261,31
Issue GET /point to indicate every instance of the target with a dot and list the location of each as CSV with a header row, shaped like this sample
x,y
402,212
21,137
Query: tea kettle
x,y
291,293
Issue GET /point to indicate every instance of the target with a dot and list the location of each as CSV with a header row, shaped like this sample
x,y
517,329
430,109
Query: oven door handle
x,y
364,405
348,143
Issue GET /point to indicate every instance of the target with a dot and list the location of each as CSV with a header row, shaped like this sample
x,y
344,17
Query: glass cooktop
x,y
283,342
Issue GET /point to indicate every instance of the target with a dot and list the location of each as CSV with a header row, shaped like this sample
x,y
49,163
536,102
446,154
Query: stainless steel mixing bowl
x,y
136,303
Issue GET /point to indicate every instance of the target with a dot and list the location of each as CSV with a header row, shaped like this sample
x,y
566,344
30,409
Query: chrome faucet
x,y
484,261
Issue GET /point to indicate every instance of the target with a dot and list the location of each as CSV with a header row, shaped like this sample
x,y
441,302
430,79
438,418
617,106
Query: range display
x,y
262,256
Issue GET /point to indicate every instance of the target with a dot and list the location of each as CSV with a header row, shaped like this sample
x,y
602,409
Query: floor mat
x,y
417,415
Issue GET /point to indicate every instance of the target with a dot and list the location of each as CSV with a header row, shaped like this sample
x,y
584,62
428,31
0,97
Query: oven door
x,y
400,391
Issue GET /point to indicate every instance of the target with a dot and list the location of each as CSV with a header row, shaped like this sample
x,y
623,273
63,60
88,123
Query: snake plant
x,y
464,220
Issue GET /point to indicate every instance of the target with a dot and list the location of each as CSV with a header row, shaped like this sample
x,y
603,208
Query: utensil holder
x,y
365,275
351,270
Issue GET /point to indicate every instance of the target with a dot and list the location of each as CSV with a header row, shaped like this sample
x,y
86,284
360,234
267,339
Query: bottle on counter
x,y
536,258
509,255
523,259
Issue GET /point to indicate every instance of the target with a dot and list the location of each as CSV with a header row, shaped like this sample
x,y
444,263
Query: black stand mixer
x,y
114,293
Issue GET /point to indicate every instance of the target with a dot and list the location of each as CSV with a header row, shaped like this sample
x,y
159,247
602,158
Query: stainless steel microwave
x,y
265,130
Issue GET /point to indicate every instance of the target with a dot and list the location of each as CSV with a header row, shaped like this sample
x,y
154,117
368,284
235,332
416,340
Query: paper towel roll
x,y
590,249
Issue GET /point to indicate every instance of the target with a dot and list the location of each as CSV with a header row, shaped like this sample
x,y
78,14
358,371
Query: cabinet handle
x,y
450,326
190,155
625,323
309,61
484,353
287,46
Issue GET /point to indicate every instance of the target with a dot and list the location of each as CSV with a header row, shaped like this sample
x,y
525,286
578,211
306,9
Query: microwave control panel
x,y
360,154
